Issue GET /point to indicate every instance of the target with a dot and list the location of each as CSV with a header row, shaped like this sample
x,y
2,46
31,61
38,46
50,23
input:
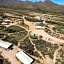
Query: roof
x,y
7,20
32,34
23,57
39,27
5,44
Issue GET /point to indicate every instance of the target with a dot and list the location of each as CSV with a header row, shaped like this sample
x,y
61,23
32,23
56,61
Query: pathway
x,y
56,53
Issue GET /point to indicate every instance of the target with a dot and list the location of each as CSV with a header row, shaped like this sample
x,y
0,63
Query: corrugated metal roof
x,y
4,44
24,57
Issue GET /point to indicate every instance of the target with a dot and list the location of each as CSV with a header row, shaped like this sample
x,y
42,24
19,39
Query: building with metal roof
x,y
24,58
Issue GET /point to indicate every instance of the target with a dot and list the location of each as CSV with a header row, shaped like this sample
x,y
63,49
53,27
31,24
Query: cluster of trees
x,y
32,19
16,33
13,29
28,47
54,22
60,57
46,47
4,61
59,28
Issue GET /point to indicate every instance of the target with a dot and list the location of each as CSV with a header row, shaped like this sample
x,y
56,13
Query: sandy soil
x,y
45,35
10,55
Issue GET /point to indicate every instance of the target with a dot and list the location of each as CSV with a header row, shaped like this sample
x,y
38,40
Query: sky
x,y
60,2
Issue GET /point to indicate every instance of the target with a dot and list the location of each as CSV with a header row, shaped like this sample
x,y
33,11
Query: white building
x,y
32,34
5,45
6,20
39,23
38,27
23,57
45,23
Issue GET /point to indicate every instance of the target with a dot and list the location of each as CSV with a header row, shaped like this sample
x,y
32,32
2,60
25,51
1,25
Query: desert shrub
x,y
13,28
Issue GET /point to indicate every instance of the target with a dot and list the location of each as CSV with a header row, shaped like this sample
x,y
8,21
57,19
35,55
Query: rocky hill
x,y
47,5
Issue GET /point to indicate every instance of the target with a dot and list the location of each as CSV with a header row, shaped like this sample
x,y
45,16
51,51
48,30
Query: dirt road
x,y
45,35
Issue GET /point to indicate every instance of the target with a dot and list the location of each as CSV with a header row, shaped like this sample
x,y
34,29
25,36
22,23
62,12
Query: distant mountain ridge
x,y
46,5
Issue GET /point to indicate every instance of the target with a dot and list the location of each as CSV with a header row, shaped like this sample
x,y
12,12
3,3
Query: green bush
x,y
11,39
14,28
45,47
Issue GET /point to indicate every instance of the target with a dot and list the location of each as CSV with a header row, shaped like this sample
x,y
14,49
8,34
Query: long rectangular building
x,y
23,57
4,44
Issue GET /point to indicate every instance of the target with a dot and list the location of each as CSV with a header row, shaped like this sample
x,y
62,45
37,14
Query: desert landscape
x,y
38,33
